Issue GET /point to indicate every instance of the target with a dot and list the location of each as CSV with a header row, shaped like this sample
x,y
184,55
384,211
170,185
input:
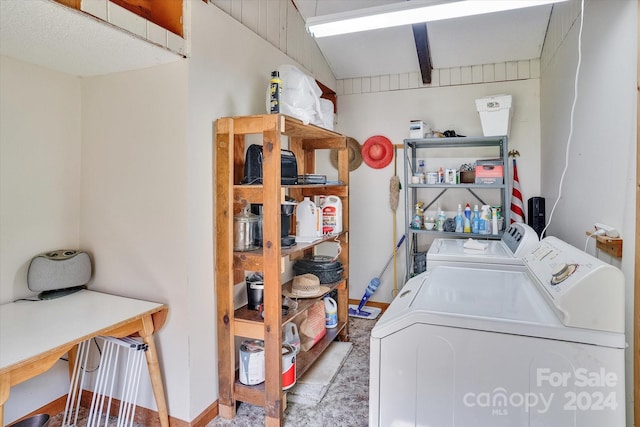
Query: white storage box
x,y
495,114
418,129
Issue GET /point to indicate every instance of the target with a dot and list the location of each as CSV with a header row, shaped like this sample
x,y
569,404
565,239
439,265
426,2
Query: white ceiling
x,y
491,38
48,34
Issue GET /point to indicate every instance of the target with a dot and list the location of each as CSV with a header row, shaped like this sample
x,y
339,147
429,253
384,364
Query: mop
x,y
372,312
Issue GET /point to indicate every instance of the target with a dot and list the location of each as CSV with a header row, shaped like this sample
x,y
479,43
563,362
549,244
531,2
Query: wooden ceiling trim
x,y
422,48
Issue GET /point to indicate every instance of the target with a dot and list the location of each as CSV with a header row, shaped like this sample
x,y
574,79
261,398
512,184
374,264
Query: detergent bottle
x,y
332,215
331,312
467,219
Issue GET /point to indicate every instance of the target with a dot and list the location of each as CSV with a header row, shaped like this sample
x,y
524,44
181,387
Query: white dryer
x,y
517,346
518,240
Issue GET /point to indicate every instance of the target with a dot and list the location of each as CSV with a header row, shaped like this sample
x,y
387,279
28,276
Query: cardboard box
x,y
495,114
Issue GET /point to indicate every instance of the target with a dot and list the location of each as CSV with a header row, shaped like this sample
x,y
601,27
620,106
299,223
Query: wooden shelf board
x,y
254,394
244,314
610,245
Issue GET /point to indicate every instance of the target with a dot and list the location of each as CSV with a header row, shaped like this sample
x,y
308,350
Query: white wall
x,y
388,113
600,181
39,191
121,166
133,198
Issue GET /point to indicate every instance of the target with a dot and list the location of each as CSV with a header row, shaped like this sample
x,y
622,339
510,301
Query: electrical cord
x,y
573,108
595,233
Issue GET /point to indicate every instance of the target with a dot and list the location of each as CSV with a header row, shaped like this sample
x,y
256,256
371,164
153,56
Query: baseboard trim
x,y
146,417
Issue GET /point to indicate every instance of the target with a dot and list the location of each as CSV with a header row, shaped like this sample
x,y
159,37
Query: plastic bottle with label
x,y
440,221
422,172
332,215
275,92
475,221
308,221
467,219
459,221
485,220
331,312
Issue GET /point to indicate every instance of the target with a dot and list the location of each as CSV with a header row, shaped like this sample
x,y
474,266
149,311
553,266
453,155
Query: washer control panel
x,y
583,290
520,239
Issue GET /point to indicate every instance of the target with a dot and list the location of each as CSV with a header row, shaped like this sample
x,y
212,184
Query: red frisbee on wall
x,y
377,151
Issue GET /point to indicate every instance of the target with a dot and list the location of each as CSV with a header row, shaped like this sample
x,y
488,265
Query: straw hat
x,y
305,286
355,154
377,151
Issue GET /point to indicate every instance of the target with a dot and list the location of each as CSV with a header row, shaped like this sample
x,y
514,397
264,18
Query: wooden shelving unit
x,y
230,266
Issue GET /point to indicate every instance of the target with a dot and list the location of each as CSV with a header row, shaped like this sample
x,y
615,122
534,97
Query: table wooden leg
x,y
5,387
154,371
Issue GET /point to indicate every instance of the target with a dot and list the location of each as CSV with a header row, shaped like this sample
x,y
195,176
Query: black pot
x,y
321,266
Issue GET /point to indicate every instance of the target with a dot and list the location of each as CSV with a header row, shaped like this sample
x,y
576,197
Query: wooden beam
x,y
422,48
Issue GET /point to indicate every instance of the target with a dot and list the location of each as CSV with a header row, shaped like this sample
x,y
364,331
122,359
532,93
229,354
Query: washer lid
x,y
504,301
453,250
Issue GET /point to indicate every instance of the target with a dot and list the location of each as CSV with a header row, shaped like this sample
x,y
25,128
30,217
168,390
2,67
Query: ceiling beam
x,y
422,48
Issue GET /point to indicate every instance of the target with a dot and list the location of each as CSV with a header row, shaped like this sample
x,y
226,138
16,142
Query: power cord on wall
x,y
573,109
598,232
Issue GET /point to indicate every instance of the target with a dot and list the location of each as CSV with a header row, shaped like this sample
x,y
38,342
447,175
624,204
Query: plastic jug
x,y
308,221
331,312
291,336
332,215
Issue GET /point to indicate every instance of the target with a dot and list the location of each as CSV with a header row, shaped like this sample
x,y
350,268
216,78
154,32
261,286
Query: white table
x,y
35,334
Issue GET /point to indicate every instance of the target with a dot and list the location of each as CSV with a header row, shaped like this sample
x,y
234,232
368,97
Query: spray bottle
x,y
459,221
475,222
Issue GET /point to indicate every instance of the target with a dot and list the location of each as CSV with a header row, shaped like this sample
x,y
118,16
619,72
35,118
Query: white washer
x,y
517,241
535,345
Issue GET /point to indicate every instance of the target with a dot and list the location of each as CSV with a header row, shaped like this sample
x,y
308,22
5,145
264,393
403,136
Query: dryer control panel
x,y
584,291
520,239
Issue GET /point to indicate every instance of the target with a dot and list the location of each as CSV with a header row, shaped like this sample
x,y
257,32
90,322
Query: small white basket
x,y
495,114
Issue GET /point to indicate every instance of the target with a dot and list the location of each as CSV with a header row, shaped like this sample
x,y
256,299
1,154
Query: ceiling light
x,y
409,12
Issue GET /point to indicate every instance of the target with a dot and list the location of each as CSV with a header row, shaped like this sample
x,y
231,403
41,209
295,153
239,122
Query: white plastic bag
x,y
300,96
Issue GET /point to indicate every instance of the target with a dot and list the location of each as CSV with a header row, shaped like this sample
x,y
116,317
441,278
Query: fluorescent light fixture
x,y
409,12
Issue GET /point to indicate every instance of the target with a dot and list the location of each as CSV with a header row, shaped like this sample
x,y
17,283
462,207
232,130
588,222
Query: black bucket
x,y
321,266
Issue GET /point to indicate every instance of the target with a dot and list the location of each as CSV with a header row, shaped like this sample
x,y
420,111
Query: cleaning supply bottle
x,y
332,215
440,176
494,221
308,221
459,222
416,221
467,219
485,220
475,222
275,92
422,173
440,221
330,312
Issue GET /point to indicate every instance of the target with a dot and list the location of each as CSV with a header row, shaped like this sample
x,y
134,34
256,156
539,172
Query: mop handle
x,y
391,258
